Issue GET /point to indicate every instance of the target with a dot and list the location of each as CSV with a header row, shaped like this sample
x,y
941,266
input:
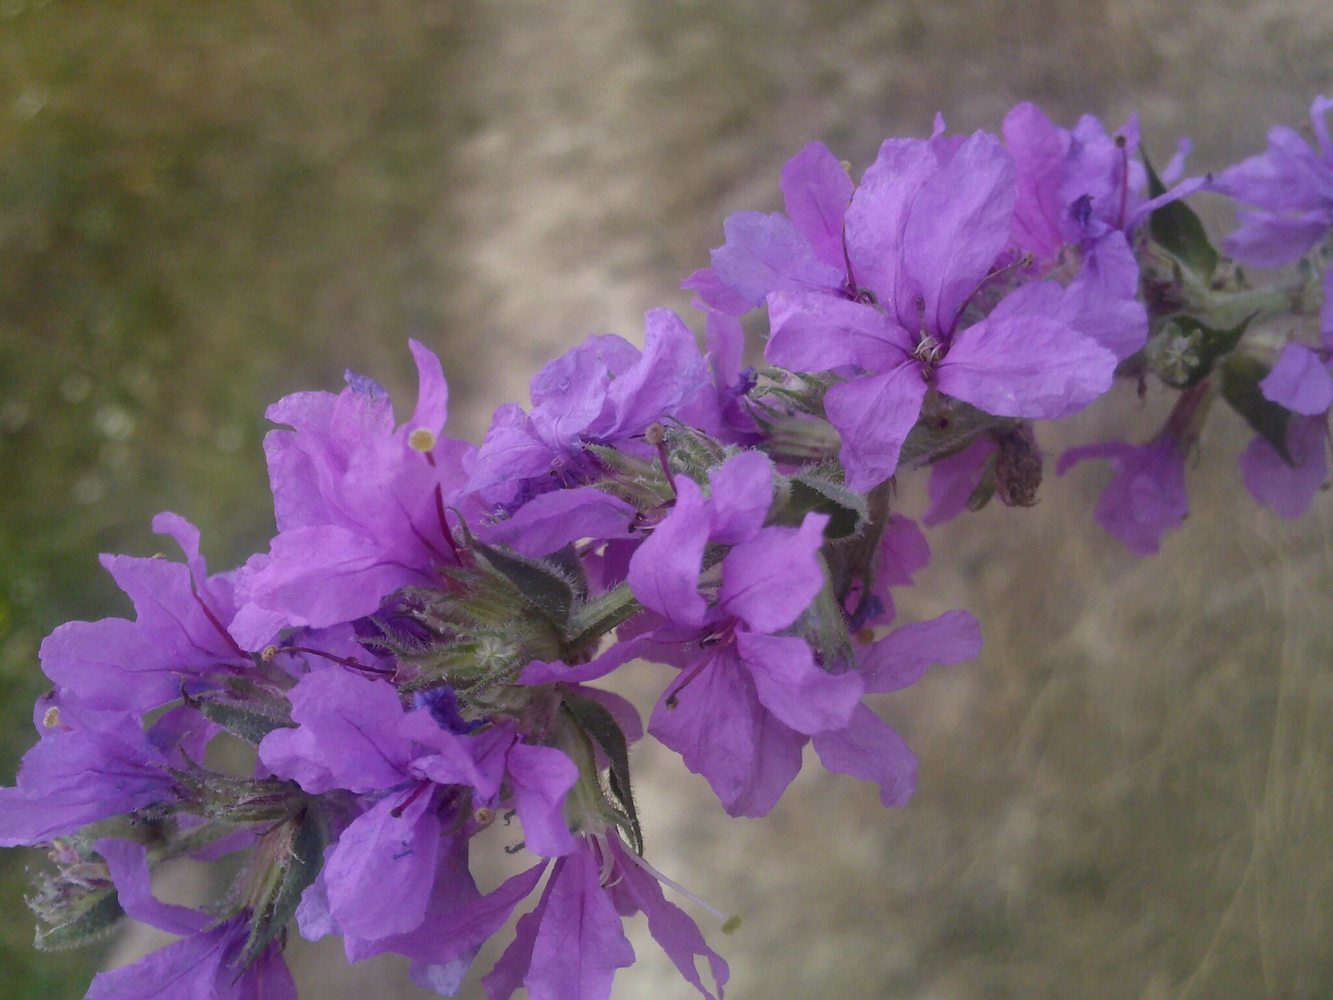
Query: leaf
x,y
1179,231
595,720
596,619
1241,376
547,590
250,722
289,877
94,921
816,494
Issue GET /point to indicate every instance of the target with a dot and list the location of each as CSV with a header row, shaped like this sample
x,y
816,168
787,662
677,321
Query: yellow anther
x,y
51,718
422,439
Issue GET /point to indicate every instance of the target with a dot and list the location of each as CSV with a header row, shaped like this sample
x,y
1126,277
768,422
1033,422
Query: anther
x,y
423,440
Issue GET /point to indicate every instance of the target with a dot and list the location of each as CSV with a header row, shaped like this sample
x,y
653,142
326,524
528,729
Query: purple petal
x,y
767,253
877,216
512,452
669,375
715,722
1039,149
767,582
432,391
379,874
1146,498
1299,381
904,655
868,749
347,736
551,521
1102,300
128,864
711,292
512,966
1288,489
956,227
953,480
874,416
1025,366
816,189
1267,240
742,492
669,925
817,333
580,942
789,685
664,573
541,777
540,672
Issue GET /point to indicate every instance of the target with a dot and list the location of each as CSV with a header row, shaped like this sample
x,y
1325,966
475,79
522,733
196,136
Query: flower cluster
x,y
411,665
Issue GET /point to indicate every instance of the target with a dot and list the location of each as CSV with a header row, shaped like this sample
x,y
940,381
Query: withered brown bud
x,y
1017,466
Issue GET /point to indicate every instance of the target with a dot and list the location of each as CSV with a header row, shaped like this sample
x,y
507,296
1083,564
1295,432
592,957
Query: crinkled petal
x,y
768,581
868,749
551,521
379,874
580,943
541,777
877,217
817,333
664,572
1299,381
1039,149
789,685
874,416
816,189
669,925
958,224
767,253
904,655
1288,489
1025,366
742,492
670,373
128,864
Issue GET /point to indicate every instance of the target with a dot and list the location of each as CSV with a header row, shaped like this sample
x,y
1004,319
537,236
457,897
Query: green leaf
x,y
595,619
1241,376
97,918
547,590
291,873
817,494
1179,231
595,720
250,722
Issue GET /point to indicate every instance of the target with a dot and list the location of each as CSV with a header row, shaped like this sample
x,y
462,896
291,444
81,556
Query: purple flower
x,y
178,635
361,506
922,235
603,391
1289,488
866,747
571,944
1291,185
741,709
1146,497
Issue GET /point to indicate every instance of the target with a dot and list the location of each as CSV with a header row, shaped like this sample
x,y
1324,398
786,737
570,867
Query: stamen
x,y
346,661
729,923
397,811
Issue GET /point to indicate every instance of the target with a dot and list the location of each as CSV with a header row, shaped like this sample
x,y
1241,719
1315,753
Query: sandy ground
x,y
1127,796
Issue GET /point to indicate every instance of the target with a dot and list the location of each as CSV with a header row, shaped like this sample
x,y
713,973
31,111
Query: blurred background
x,y
204,206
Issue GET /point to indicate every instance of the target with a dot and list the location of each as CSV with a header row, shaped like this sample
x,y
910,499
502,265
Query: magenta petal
x,y
664,572
1025,366
742,492
956,227
380,872
1039,149
818,333
768,581
900,658
874,416
580,943
868,749
670,374
669,925
128,864
1299,381
789,685
540,778
551,521
816,189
